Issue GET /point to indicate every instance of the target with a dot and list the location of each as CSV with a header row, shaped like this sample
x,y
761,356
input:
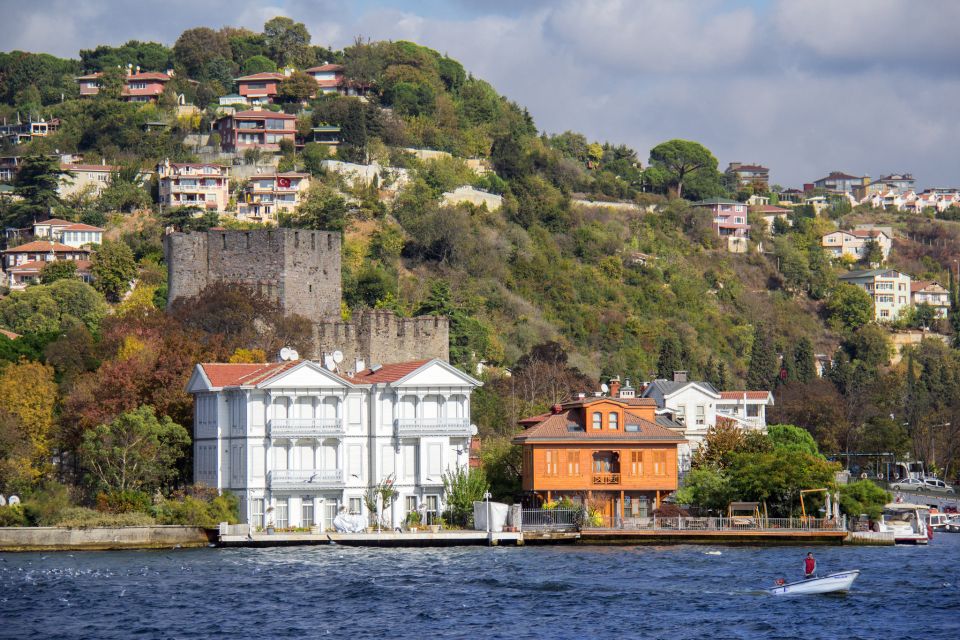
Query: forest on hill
x,y
552,286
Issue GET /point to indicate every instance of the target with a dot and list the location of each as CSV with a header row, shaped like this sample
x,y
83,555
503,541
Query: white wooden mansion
x,y
296,441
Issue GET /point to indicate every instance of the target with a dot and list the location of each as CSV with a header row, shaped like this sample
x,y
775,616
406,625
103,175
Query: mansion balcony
x,y
297,479
410,427
304,427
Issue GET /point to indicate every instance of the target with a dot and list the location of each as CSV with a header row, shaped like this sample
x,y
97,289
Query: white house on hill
x,y
296,441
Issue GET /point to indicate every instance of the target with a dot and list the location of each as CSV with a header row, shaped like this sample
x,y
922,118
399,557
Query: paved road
x,y
938,500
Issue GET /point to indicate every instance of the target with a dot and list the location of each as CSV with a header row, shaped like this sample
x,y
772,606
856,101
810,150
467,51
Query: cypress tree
x,y
710,371
763,361
670,359
805,367
722,377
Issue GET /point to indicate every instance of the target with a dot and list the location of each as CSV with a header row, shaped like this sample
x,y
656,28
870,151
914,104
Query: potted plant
x,y
270,528
412,521
437,524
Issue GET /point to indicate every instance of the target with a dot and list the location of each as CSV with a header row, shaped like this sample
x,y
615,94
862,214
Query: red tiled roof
x,y
36,266
388,372
329,82
920,285
66,224
867,233
738,395
326,67
45,246
567,425
234,375
9,334
265,75
149,75
251,113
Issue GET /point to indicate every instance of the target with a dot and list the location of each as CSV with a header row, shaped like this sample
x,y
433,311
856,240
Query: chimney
x,y
360,365
679,376
615,387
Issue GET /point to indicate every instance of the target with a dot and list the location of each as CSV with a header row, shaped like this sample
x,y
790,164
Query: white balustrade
x,y
305,478
304,427
432,426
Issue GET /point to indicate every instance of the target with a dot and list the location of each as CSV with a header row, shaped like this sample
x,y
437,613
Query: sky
x,y
869,87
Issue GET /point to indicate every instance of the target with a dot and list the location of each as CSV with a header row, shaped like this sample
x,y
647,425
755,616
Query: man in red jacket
x,y
809,566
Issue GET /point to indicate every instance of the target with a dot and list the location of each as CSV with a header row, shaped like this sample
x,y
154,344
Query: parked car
x,y
908,484
936,485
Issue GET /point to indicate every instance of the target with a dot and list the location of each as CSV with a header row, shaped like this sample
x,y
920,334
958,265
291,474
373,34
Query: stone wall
x,y
298,268
380,337
301,269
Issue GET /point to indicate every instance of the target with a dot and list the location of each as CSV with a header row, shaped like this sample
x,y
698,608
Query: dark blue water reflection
x,y
534,592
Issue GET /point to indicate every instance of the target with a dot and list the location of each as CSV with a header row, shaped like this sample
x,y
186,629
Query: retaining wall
x,y
102,538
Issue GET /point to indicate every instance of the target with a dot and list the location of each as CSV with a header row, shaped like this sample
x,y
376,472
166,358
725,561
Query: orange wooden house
x,y
606,448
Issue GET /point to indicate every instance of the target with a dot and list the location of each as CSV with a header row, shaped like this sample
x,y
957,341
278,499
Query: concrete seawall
x,y
103,538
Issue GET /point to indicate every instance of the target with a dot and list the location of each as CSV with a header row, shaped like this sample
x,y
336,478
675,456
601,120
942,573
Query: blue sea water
x,y
478,592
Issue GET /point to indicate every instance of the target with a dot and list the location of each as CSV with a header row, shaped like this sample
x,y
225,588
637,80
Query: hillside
x,y
629,292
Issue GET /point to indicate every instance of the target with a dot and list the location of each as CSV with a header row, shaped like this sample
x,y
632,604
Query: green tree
x,y
136,451
849,307
287,42
58,270
670,359
323,208
53,307
197,47
863,497
870,345
463,487
788,436
113,269
353,133
682,160
297,87
805,367
872,253
37,182
762,374
111,83
923,316
258,64
707,488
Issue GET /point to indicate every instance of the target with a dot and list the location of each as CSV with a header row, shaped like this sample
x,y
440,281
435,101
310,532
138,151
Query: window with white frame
x,y
701,415
356,506
410,504
255,516
597,420
282,520
614,420
306,511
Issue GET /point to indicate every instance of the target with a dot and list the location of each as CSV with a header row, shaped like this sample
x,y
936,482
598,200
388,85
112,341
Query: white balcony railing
x,y
432,426
304,427
305,479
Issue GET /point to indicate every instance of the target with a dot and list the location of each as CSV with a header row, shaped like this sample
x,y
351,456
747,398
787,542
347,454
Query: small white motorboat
x,y
830,583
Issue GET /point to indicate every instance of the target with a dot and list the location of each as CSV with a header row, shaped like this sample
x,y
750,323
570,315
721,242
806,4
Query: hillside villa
x,y
889,289
265,196
729,221
72,234
22,265
203,185
256,129
855,243
932,293
92,178
139,86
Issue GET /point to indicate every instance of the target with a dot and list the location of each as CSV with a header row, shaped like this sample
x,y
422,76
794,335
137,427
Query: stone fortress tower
x,y
300,268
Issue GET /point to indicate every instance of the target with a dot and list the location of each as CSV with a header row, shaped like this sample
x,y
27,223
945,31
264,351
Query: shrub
x,y
82,517
863,497
202,509
13,516
44,506
127,501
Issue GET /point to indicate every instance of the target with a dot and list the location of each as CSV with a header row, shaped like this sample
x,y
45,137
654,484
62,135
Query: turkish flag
x,y
283,183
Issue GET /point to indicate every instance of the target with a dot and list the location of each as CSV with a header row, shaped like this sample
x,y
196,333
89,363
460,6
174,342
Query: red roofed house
x,y
330,79
697,406
256,129
298,441
260,88
187,184
22,265
9,334
931,293
729,221
854,243
265,196
771,214
611,449
85,177
750,175
140,86
72,234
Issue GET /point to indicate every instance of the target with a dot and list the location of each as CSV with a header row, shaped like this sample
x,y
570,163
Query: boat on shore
x,y
838,582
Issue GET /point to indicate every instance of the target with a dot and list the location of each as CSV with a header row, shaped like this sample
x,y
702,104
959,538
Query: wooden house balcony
x,y
606,478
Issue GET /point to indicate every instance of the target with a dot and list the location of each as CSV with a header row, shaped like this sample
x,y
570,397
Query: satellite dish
x,y
338,356
604,388
285,354
328,362
294,355
3,501
12,500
